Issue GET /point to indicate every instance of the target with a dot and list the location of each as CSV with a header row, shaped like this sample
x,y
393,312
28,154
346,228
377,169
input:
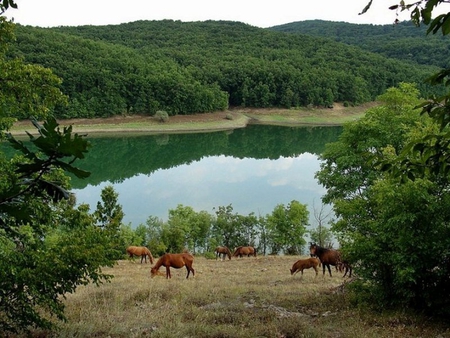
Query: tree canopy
x,y
183,68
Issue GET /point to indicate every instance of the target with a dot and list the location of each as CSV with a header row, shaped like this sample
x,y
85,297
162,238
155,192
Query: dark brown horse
x,y
141,251
303,264
176,261
222,251
244,251
327,256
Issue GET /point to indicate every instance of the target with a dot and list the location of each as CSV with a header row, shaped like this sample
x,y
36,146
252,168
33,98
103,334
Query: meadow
x,y
242,297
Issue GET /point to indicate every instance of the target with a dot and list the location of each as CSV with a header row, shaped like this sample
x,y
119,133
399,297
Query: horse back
x,y
331,256
177,260
237,250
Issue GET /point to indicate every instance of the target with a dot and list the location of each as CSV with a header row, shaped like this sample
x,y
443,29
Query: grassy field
x,y
245,297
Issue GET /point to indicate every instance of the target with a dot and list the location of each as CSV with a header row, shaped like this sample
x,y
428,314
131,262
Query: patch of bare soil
x,y
220,120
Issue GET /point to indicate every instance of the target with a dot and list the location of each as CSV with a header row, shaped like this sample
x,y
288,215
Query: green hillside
x,y
184,68
403,41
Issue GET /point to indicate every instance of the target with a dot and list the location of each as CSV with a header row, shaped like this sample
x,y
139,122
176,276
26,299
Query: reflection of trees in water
x,y
118,158
162,139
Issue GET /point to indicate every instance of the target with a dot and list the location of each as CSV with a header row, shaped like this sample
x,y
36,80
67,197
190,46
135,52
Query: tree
x,y
287,226
389,226
109,212
48,247
428,154
155,228
227,229
186,229
411,202
321,234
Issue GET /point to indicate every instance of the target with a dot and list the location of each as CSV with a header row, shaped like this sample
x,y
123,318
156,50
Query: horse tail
x,y
254,251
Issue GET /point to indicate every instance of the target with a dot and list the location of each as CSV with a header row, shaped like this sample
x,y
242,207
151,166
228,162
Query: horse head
x,y
155,272
312,249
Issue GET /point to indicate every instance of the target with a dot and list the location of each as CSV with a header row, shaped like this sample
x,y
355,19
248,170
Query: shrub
x,y
162,116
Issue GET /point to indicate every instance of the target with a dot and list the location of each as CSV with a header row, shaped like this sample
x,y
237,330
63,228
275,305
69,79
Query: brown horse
x,y
176,261
244,251
140,251
222,251
307,263
327,256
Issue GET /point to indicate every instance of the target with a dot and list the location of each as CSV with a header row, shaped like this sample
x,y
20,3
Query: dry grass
x,y
246,297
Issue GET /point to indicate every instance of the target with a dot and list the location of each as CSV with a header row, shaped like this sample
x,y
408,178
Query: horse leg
x,y
189,269
329,269
317,271
347,269
168,275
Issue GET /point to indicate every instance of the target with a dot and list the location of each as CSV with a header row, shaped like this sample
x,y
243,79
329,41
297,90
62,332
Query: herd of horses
x,y
319,256
223,251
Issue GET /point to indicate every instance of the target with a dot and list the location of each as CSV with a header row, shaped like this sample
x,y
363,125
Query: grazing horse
x,y
307,263
140,251
327,256
244,251
176,261
222,251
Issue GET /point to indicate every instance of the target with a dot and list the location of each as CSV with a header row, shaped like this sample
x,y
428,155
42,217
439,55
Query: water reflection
x,y
250,185
253,169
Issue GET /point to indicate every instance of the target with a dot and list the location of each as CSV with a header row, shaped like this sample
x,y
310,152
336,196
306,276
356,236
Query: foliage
x,y
200,67
48,247
185,229
389,228
155,242
287,227
402,40
162,116
226,229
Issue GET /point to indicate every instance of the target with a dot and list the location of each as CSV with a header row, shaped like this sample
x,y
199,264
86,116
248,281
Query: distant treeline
x,y
403,41
185,68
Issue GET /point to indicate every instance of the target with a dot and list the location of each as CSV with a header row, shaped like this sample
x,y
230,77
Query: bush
x,y
162,116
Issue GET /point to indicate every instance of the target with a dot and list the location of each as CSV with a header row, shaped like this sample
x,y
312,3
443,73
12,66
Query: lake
x,y
254,169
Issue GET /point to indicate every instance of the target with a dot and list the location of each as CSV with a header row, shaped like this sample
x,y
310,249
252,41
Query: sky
x,y
249,185
263,14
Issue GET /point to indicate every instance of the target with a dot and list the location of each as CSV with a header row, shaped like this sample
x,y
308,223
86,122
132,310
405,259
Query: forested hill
x,y
192,67
403,41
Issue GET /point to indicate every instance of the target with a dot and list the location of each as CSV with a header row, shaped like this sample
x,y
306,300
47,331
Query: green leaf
x,y
446,24
365,9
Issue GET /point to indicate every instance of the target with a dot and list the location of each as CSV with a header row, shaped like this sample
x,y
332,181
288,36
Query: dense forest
x,y
403,41
192,67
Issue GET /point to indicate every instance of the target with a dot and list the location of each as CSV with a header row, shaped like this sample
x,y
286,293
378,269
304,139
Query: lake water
x,y
253,169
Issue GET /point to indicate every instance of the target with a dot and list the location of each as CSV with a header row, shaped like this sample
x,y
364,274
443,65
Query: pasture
x,y
241,297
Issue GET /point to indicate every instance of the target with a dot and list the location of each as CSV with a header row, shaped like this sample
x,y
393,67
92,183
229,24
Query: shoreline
x,y
207,122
